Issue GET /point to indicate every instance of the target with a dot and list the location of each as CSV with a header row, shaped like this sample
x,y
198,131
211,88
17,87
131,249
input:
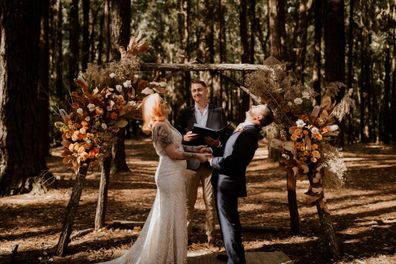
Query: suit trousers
x,y
194,178
227,210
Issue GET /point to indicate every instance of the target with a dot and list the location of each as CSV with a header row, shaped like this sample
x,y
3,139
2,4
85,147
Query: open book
x,y
208,132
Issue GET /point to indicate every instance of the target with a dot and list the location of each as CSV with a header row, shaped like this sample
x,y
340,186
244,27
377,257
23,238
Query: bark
x,y
120,35
100,38
334,38
316,76
85,35
71,210
107,23
201,67
328,230
20,154
293,207
74,36
43,85
103,190
59,54
393,99
386,112
277,28
120,26
350,66
243,30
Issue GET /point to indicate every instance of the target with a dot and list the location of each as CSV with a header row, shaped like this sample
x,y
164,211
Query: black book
x,y
208,132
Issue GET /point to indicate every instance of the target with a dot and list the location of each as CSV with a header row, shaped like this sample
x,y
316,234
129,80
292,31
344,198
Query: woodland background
x,y
44,44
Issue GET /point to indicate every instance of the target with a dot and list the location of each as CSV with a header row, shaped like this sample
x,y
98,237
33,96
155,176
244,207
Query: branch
x,y
201,67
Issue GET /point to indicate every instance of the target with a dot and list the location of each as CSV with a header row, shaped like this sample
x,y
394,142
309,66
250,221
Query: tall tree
x,y
334,38
120,35
350,64
317,49
277,28
43,84
74,36
85,35
393,89
59,53
19,49
244,32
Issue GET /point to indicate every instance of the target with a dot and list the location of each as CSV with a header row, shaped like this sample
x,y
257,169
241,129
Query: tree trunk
x,y
59,57
74,37
386,113
101,39
103,190
92,38
293,207
120,35
107,23
20,153
277,28
71,210
243,30
393,100
351,135
362,91
85,35
305,11
334,37
43,85
120,26
316,76
328,230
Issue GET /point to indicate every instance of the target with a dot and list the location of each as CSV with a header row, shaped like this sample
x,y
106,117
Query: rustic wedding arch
x,y
324,215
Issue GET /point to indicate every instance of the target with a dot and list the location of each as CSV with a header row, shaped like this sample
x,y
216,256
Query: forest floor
x,y
363,211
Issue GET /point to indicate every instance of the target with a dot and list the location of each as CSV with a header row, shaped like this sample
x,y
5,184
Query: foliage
x,y
108,95
307,128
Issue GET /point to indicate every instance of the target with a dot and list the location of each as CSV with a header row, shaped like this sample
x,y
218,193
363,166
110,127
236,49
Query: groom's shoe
x,y
222,257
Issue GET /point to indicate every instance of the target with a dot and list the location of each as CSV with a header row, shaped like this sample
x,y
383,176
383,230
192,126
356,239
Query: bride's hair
x,y
152,111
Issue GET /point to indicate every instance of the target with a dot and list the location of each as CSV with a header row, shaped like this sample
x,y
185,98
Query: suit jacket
x,y
230,168
216,120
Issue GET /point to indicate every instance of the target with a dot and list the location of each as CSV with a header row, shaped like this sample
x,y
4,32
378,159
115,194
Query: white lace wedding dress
x,y
163,238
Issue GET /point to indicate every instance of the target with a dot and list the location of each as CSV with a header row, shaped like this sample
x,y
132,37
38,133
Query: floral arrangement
x,y
307,130
107,96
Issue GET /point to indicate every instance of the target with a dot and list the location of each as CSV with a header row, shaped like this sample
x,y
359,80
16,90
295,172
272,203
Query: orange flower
x,y
291,129
99,111
316,154
113,115
294,137
314,146
317,136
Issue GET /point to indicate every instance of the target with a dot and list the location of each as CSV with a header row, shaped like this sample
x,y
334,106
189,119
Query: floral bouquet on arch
x,y
107,96
307,129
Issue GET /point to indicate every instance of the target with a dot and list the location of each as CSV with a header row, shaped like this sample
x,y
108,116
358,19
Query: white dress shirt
x,y
201,118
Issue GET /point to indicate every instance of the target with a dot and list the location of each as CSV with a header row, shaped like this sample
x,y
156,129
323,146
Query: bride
x,y
163,238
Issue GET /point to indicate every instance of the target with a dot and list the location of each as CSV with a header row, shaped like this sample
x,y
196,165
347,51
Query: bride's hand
x,y
204,149
203,157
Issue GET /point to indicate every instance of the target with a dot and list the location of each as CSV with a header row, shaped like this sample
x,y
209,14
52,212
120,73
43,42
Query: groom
x,y
229,180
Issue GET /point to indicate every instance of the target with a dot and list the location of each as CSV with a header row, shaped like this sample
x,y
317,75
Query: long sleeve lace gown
x,y
163,238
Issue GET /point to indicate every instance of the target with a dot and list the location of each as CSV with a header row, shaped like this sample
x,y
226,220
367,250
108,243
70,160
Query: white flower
x,y
314,130
119,88
104,126
298,101
91,107
112,75
87,118
127,84
300,123
80,111
305,94
289,103
110,106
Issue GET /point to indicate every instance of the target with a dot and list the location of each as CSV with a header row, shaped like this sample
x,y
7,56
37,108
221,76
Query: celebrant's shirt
x,y
201,118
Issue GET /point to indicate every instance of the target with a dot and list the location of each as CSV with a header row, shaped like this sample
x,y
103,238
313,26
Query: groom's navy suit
x,y
229,181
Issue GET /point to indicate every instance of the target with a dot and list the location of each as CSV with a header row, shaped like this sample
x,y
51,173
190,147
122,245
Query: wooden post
x,y
328,229
71,210
292,199
105,166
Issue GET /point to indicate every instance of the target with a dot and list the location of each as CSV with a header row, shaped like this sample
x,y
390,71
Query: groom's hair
x,y
200,82
268,116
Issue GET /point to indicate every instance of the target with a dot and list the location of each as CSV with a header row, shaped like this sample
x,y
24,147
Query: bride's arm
x,y
199,149
175,153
